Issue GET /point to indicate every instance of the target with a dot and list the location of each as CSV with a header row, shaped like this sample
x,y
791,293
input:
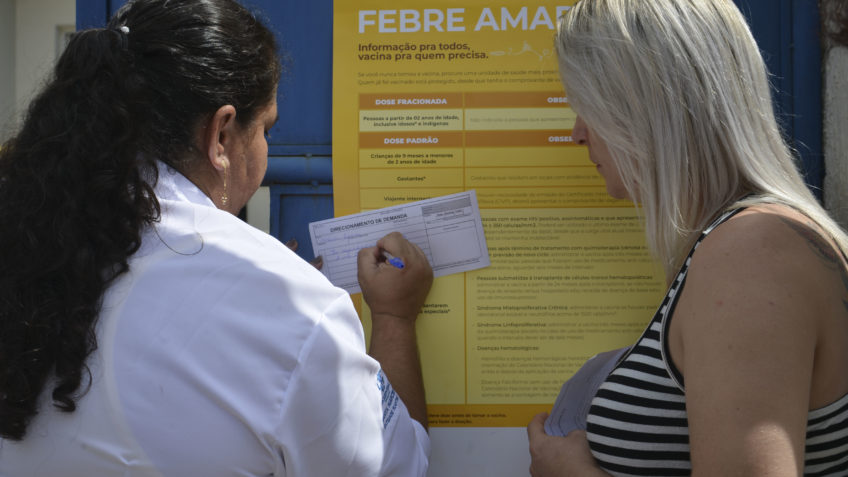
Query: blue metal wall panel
x,y
305,32
293,206
807,91
91,13
788,34
299,170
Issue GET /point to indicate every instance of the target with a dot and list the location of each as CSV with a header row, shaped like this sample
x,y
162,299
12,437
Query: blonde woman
x,y
744,368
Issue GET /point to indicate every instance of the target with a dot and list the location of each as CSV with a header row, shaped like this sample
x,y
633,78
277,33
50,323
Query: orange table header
x,y
410,101
555,137
393,140
529,99
515,99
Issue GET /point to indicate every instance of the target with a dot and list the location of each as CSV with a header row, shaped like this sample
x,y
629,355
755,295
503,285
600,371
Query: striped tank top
x,y
637,422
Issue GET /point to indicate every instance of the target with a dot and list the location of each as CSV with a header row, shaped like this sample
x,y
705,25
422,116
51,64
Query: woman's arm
x,y
744,336
395,296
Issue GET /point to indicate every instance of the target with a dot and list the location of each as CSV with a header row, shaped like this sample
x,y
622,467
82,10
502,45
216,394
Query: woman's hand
x,y
390,290
316,262
553,456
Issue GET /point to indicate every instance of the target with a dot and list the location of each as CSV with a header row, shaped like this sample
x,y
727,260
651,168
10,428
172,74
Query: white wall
x,y
259,210
33,46
835,137
835,96
7,74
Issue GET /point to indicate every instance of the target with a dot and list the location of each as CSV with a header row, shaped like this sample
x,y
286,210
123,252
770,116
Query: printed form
x,y
448,229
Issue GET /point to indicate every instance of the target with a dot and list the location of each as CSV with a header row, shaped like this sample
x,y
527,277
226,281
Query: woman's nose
x,y
579,132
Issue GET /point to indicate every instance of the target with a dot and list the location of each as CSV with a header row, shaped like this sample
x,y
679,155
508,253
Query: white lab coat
x,y
222,353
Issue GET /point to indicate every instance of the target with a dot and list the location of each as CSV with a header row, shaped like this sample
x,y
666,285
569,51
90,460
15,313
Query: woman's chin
x,y
619,193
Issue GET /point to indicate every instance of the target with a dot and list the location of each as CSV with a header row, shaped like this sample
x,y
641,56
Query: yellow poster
x,y
433,98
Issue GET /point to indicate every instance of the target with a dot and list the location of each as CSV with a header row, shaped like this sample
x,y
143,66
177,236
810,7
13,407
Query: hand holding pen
x,y
398,263
395,276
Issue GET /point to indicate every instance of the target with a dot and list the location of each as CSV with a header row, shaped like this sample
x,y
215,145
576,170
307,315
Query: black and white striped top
x,y
637,423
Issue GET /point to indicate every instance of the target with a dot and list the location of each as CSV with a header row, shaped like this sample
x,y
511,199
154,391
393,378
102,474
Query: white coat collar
x,y
174,186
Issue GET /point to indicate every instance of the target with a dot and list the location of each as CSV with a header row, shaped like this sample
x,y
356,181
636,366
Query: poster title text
x,y
454,19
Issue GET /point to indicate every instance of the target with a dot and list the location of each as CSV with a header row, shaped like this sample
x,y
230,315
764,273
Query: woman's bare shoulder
x,y
770,239
764,267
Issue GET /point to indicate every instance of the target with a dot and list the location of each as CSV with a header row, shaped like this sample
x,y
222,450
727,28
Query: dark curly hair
x,y
76,182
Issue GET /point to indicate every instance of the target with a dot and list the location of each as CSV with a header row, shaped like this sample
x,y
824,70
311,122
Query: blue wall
x,y
788,34
300,171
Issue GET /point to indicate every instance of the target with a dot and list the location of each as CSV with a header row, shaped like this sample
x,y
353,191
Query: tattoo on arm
x,y
831,257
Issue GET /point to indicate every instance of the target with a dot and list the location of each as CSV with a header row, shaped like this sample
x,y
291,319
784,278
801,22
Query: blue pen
x,y
398,263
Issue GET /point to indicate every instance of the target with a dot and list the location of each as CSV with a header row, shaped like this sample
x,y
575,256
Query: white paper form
x,y
448,229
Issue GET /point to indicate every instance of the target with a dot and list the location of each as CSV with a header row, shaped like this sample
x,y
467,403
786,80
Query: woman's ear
x,y
219,136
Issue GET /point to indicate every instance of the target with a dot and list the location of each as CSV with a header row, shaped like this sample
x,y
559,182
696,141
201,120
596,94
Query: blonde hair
x,y
679,92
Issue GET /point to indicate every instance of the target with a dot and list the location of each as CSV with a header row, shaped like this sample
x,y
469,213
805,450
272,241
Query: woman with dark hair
x,y
146,330
743,370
